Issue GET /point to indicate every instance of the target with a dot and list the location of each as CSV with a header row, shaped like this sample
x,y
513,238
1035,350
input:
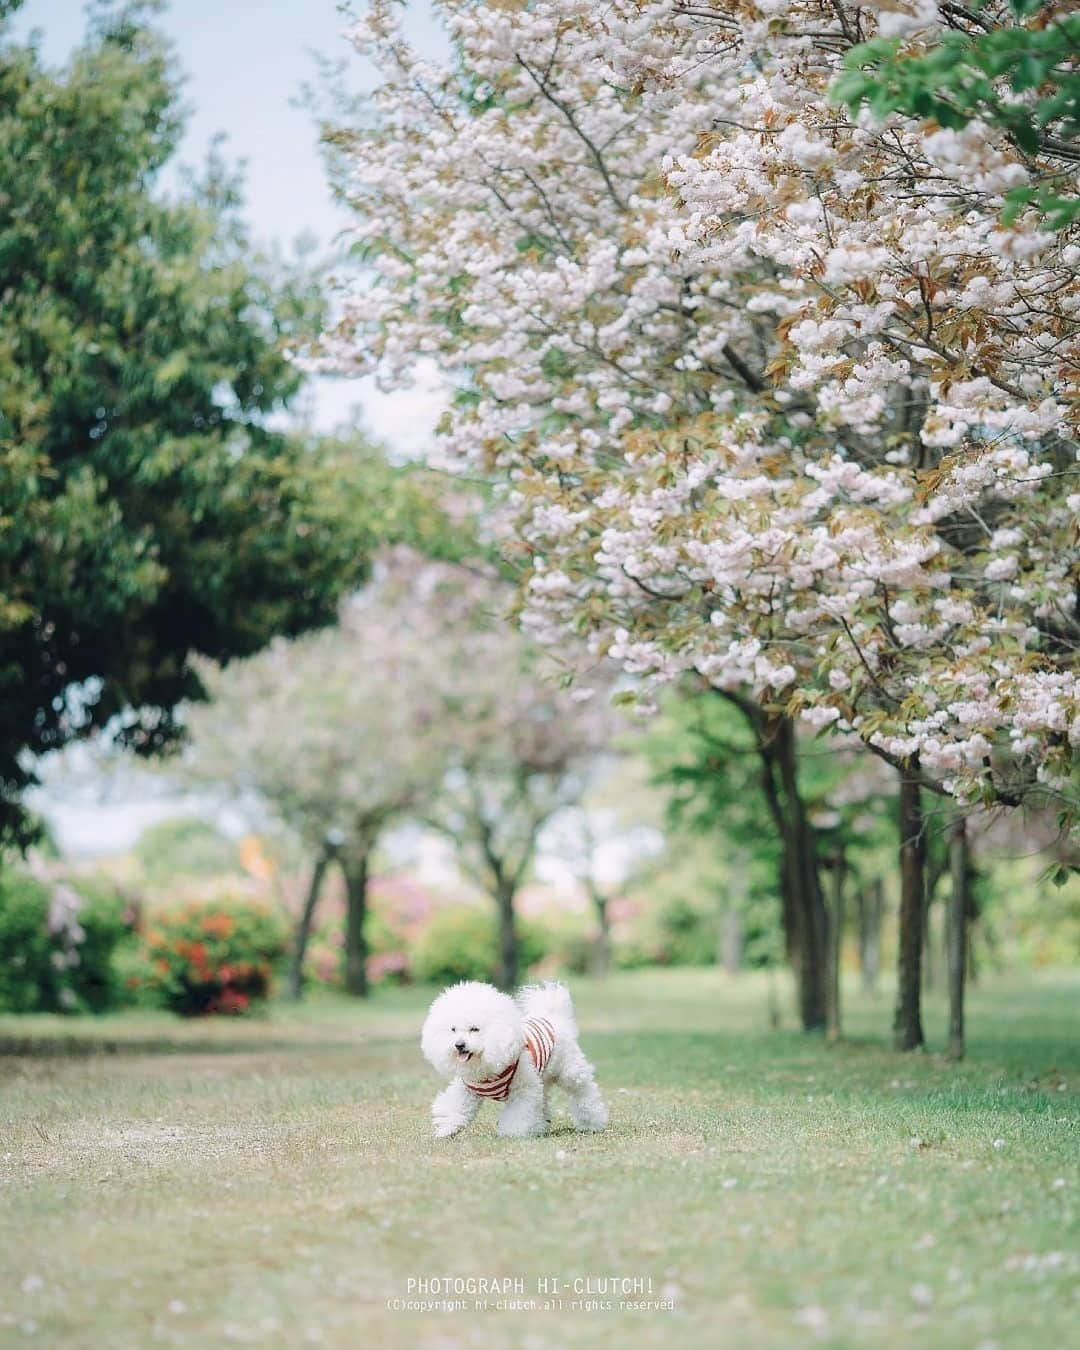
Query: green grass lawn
x,y
273,1181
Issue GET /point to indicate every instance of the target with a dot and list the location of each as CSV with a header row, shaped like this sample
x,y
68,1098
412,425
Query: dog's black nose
x,y
459,1045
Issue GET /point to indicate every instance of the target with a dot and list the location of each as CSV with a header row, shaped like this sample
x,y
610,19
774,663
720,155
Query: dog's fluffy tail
x,y
550,1000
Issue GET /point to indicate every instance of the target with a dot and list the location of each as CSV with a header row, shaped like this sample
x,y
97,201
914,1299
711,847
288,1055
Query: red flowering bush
x,y
215,957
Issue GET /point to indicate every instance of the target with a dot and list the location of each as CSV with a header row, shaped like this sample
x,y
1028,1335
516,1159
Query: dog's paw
x,y
521,1129
591,1120
444,1128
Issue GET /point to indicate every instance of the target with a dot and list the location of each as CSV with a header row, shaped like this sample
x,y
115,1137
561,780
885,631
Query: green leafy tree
x,y
733,767
148,514
727,782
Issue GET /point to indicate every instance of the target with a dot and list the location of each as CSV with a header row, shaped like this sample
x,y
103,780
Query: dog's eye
x,y
453,1028
474,1028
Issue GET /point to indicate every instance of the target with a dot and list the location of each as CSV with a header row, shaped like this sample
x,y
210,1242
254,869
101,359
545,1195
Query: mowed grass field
x,y
273,1182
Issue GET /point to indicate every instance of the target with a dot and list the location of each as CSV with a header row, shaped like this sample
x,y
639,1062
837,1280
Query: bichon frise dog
x,y
511,1050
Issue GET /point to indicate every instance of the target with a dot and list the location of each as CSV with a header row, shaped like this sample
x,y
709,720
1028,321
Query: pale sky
x,y
246,63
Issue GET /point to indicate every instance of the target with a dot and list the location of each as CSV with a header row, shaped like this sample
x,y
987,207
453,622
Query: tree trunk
x,y
785,878
907,1023
803,907
934,870
836,938
811,920
356,885
600,955
733,940
787,908
929,965
970,924
307,918
508,938
730,928
956,934
871,907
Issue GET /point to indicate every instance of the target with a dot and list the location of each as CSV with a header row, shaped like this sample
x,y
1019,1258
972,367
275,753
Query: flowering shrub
x,y
216,957
388,968
57,945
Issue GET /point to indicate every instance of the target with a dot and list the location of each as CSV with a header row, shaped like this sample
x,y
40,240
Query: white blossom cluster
x,y
772,394
62,923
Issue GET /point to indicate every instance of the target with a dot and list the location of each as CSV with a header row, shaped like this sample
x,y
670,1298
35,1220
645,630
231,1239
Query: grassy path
x,y
272,1182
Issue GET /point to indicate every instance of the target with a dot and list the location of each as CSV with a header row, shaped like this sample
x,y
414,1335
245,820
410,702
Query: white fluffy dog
x,y
509,1050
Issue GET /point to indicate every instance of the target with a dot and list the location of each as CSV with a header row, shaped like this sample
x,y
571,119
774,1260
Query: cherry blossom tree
x,y
772,393
558,346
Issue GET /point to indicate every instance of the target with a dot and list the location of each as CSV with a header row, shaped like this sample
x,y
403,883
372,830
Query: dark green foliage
x,y
147,514
703,750
688,934
1030,49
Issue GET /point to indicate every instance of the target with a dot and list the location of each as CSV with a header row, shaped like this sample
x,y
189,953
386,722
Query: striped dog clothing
x,y
539,1041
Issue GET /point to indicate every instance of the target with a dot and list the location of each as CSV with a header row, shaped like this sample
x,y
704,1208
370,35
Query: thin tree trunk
x,y
600,955
356,886
907,1022
508,938
803,906
303,927
836,937
733,941
787,908
785,878
811,918
935,869
730,928
871,907
971,925
929,965
956,932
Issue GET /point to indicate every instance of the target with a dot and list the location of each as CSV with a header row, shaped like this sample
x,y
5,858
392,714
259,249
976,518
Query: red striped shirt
x,y
539,1041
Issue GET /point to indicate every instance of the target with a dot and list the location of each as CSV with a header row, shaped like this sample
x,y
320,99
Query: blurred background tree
x,y
337,734
422,701
522,745
724,783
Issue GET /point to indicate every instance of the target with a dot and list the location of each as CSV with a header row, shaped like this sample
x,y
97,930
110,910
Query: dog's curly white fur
x,y
474,1033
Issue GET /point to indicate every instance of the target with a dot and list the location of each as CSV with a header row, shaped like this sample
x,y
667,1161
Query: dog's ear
x,y
434,1041
504,1042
